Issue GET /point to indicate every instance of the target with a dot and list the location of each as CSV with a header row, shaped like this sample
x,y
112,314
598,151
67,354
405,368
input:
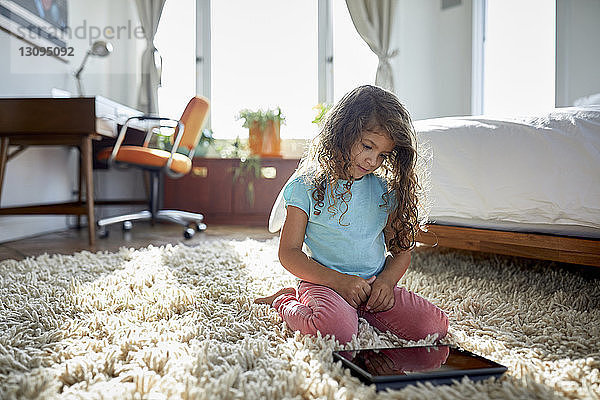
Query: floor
x,y
142,235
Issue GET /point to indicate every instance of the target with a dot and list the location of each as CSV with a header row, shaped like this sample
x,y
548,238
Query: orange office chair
x,y
187,133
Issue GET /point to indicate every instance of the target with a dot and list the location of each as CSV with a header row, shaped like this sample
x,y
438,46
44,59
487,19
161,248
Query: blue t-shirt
x,y
356,244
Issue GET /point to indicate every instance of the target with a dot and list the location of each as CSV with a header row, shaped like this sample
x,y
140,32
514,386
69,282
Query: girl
x,y
353,198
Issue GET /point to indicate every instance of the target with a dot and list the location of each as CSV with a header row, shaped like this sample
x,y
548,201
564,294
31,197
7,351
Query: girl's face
x,y
369,152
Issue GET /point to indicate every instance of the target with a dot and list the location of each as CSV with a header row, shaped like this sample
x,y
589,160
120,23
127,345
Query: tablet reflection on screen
x,y
400,361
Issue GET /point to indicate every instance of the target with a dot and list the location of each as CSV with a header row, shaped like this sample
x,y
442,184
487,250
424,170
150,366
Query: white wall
x,y
577,50
433,69
49,174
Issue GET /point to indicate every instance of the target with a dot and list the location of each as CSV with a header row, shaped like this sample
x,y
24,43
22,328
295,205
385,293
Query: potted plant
x,y
322,109
206,139
264,138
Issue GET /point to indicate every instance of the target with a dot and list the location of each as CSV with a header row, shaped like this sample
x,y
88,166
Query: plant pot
x,y
255,138
265,142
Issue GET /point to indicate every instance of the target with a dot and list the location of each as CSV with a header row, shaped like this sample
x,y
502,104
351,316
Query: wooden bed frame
x,y
532,245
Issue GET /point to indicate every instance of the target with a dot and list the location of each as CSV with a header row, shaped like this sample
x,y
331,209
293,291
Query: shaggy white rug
x,y
179,322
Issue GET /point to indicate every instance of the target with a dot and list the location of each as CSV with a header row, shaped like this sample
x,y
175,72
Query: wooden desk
x,y
59,122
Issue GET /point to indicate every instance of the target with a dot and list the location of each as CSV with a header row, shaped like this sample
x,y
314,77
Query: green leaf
x,y
322,110
260,116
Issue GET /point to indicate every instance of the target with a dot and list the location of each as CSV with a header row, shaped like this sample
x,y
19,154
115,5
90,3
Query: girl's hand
x,y
354,289
382,295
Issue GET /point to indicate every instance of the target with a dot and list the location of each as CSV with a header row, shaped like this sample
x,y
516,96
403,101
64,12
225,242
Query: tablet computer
x,y
397,367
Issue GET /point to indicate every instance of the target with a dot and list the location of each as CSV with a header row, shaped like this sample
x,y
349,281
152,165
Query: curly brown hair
x,y
329,159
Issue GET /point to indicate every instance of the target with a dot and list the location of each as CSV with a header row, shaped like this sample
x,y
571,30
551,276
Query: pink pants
x,y
320,308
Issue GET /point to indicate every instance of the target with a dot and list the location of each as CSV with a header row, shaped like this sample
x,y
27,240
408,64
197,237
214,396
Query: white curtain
x,y
150,12
374,20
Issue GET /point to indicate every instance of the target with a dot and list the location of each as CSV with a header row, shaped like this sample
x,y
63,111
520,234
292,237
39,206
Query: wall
x,y
433,69
45,175
577,50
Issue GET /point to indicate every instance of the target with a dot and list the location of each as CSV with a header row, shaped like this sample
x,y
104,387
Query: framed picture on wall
x,y
43,23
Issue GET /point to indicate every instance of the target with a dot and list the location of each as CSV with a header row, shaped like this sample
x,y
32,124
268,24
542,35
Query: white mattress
x,y
541,171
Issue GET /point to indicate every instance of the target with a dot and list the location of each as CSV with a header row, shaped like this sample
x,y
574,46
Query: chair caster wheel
x,y
188,233
103,233
200,227
127,225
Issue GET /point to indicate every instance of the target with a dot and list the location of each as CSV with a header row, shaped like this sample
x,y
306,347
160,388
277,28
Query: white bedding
x,y
541,171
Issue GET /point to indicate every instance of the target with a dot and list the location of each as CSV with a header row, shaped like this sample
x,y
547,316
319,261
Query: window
x,y
354,63
175,41
258,54
263,55
519,56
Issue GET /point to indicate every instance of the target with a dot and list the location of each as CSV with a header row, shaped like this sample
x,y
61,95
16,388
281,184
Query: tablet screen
x,y
419,360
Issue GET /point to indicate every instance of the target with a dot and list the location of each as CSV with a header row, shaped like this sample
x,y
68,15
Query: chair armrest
x,y
125,126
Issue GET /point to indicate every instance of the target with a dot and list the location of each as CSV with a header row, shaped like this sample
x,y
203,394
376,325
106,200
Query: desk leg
x,y
86,155
3,160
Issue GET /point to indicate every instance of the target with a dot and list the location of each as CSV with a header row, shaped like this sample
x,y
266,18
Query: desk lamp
x,y
99,48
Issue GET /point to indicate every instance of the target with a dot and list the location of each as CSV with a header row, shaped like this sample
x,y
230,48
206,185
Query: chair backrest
x,y
193,118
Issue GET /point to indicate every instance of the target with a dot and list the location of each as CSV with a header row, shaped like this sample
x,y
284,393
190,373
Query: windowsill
x,y
290,148
293,148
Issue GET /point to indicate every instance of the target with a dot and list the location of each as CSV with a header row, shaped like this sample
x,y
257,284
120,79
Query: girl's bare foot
x,y
270,299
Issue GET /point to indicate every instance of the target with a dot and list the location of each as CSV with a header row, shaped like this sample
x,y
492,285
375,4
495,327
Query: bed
x,y
525,186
